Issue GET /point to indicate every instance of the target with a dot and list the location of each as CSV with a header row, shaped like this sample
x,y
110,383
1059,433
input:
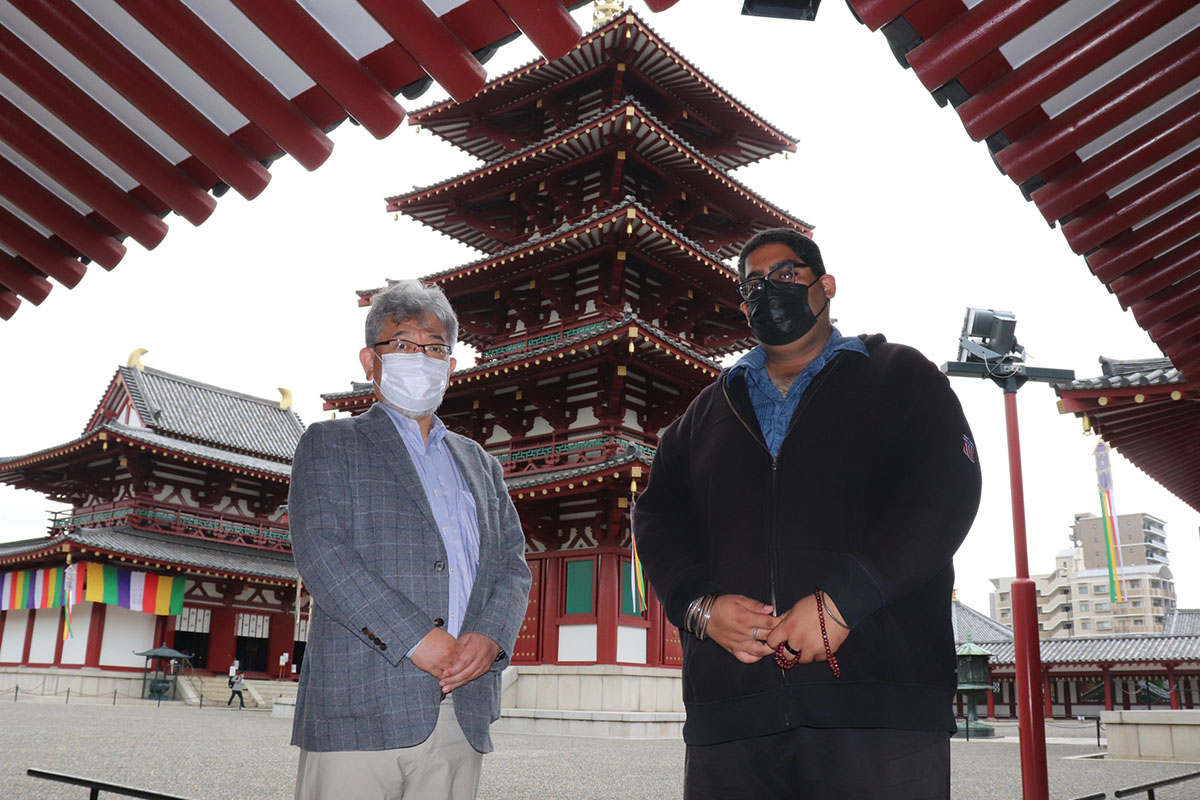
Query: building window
x,y
1085,607
1068,625
1087,626
1083,590
1155,583
579,587
1134,584
1004,597
1065,590
1100,588
1139,622
1004,614
1102,606
1136,603
1156,601
1103,625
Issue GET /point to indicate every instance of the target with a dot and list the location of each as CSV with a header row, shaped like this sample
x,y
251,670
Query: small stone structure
x,y
1153,735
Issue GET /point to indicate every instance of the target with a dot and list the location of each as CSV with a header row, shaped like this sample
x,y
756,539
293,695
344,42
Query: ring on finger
x,y
754,634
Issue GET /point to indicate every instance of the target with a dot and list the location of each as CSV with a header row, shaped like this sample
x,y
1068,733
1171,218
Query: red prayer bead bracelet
x,y
782,652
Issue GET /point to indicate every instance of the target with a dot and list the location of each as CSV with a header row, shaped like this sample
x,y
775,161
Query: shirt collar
x,y
756,357
410,430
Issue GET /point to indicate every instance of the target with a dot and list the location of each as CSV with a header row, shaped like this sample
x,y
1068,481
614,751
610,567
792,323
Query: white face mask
x,y
413,383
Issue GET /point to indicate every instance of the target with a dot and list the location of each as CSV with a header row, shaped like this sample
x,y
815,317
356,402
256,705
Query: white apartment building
x,y
1075,599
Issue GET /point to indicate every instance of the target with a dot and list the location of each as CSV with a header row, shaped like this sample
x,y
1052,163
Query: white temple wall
x,y
631,644
13,645
126,633
577,643
45,636
75,648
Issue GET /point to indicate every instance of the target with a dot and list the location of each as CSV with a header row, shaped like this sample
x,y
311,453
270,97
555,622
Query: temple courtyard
x,y
221,754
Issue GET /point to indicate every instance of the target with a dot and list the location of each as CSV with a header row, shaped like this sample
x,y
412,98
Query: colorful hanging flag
x,y
72,596
31,589
637,583
135,590
1108,517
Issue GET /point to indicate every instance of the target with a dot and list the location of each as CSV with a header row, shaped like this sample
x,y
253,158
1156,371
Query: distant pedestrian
x,y
237,685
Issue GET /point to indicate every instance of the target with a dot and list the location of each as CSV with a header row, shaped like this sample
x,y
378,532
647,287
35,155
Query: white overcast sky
x,y
912,217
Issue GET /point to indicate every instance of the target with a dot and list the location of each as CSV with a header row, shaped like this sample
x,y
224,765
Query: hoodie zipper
x,y
817,381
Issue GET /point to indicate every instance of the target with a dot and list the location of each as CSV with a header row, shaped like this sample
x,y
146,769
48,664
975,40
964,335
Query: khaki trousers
x,y
443,766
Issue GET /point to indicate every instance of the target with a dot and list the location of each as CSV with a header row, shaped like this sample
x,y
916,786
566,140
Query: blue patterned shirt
x,y
453,508
773,408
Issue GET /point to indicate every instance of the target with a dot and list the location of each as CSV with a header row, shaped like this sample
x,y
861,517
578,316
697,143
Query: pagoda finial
x,y
605,11
285,401
954,595
135,358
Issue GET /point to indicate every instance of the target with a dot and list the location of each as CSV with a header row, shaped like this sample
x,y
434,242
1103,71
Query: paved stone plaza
x,y
220,754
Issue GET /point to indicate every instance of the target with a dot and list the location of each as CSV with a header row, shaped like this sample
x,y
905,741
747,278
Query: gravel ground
x,y
219,754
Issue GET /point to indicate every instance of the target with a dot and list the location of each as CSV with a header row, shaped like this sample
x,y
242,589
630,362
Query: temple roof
x,y
1182,622
631,42
1106,649
972,626
436,205
118,114
162,548
641,456
113,431
1149,412
171,405
1089,108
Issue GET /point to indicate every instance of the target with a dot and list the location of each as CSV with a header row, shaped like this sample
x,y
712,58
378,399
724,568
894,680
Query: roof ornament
x,y
285,401
605,11
135,358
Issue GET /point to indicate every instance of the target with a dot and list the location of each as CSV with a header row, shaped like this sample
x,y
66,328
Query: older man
x,y
799,526
405,536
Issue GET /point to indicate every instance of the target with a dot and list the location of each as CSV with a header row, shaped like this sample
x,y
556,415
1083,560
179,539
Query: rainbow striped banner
x,y
637,583
32,588
138,591
1112,542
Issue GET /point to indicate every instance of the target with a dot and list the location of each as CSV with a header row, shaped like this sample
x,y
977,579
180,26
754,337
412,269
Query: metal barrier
x,y
1096,796
101,786
1148,788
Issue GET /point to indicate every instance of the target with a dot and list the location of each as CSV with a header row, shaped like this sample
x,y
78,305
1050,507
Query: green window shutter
x,y
579,587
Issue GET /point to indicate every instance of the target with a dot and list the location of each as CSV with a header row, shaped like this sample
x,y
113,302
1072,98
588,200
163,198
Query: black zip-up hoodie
x,y
874,488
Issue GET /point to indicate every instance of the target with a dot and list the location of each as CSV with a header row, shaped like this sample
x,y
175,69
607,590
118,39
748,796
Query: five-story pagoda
x,y
606,212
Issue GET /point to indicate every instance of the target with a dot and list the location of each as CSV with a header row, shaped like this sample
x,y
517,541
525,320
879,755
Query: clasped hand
x,y
454,662
746,628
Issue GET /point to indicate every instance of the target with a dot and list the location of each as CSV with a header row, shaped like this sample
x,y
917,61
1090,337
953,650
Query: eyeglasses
x,y
409,347
785,273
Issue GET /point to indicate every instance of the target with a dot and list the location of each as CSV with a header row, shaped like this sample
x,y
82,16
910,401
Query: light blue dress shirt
x,y
775,409
453,509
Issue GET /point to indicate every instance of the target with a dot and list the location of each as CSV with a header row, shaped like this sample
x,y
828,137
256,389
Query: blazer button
x,y
439,623
366,631
383,646
438,566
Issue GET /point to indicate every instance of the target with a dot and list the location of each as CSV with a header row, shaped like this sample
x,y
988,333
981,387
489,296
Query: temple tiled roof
x,y
168,548
183,446
1106,649
1182,622
518,482
972,626
173,405
1117,374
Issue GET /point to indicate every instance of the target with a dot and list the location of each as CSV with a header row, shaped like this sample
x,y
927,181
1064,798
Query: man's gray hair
x,y
405,300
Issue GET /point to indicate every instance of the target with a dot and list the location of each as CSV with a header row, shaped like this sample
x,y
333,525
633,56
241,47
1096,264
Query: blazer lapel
x,y
382,432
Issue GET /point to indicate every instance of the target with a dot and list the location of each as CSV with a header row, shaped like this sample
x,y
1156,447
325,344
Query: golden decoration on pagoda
x,y
135,358
605,11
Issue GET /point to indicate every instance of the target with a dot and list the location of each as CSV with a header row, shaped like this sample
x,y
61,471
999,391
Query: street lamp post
x,y
989,349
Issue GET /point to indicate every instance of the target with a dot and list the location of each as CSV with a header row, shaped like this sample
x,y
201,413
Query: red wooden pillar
x,y
552,607
28,636
1012,699
1107,689
1068,686
95,635
1125,695
222,639
654,634
958,704
169,632
1171,686
58,641
991,695
608,604
1046,693
3,617
279,641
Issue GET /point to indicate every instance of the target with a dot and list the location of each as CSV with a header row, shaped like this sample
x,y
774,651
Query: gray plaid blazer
x,y
371,555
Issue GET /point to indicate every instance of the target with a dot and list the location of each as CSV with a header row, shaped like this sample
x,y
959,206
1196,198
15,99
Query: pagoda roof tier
x,y
507,202
697,292
25,471
580,479
182,408
1148,411
132,548
624,50
633,340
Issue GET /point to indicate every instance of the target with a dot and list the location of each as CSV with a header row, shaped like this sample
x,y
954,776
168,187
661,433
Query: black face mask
x,y
780,313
